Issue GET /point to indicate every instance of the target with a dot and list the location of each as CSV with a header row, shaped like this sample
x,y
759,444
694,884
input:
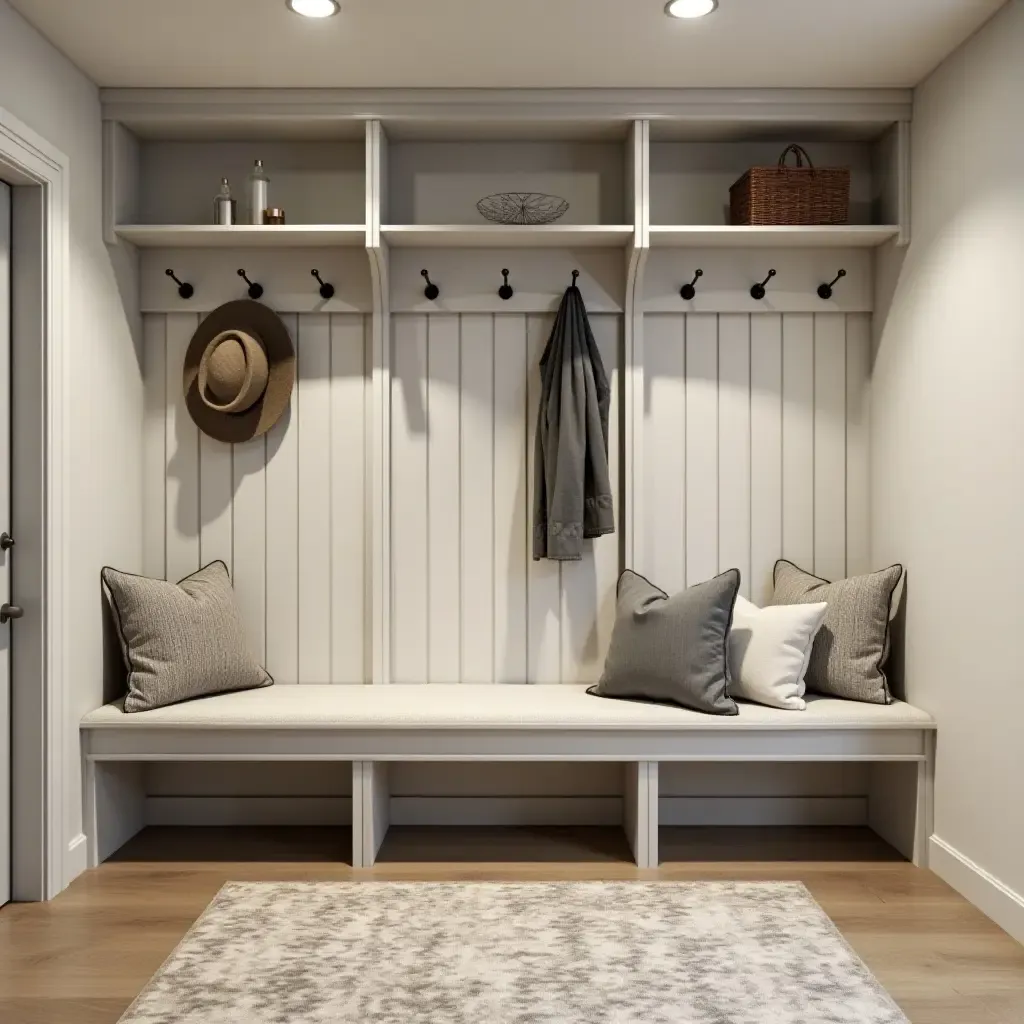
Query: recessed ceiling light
x,y
690,8
314,8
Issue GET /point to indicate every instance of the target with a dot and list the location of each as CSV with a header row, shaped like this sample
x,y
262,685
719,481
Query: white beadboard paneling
x,y
771,411
798,439
348,616
285,511
444,405
477,510
181,455
701,447
314,441
765,453
283,536
470,603
409,533
734,446
154,479
858,374
830,445
543,581
665,449
511,515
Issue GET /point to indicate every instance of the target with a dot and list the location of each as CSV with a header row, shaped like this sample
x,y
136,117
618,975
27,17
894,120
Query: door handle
x,y
6,541
10,611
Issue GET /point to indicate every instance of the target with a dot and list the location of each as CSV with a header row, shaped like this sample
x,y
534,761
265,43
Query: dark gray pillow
x,y
180,640
672,649
852,646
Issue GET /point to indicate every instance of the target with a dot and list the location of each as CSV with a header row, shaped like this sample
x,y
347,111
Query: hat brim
x,y
267,327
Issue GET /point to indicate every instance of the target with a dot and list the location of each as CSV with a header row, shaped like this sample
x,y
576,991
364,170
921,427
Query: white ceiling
x,y
507,43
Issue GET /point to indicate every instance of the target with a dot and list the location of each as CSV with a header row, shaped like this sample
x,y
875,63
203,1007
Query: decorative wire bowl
x,y
522,208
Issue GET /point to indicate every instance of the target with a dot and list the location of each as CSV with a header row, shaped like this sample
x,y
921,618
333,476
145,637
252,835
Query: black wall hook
x,y
575,274
825,290
505,291
326,290
255,290
757,291
431,291
689,291
185,290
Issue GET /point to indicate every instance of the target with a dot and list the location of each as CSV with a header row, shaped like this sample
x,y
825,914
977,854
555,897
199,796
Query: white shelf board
x,y
840,236
241,236
508,236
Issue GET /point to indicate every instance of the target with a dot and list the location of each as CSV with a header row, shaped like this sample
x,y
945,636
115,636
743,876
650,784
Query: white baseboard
x,y
763,810
77,859
991,896
504,810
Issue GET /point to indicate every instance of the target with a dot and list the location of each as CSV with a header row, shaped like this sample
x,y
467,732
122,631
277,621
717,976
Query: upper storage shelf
x,y
161,190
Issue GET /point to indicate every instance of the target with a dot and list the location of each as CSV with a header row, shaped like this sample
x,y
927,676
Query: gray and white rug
x,y
558,953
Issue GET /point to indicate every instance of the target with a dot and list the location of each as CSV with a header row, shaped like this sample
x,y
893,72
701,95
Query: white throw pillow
x,y
769,650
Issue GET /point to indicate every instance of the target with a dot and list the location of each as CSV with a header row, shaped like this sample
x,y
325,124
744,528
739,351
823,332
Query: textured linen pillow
x,y
672,649
852,645
769,650
180,640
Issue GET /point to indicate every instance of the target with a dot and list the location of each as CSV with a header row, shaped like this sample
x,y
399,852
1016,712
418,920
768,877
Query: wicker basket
x,y
791,195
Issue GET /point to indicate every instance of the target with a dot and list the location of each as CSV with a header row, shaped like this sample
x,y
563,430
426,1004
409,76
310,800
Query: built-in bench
x,y
371,726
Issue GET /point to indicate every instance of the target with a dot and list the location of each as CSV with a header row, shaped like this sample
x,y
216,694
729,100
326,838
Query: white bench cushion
x,y
490,707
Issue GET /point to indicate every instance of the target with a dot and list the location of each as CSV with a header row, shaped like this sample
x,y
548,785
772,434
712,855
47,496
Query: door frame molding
x,y
45,857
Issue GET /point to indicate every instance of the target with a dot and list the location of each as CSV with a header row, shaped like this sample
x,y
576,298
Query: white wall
x,y
43,89
948,468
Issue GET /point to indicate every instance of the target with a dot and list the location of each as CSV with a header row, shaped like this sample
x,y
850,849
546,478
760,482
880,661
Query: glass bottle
x,y
224,205
259,185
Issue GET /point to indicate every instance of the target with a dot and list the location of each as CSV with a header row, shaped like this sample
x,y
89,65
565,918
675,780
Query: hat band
x,y
248,386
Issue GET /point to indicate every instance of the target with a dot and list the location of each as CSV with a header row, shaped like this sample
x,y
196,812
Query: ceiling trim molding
x,y
169,106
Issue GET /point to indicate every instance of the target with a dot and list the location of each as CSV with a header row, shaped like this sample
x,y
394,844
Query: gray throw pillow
x,y
852,646
180,640
672,649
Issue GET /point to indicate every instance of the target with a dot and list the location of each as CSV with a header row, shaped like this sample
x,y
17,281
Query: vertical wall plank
x,y
249,538
511,519
830,445
798,439
443,480
154,493
348,626
283,441
182,456
477,555
765,453
544,656
314,497
858,373
734,447
701,447
409,499
665,449
216,494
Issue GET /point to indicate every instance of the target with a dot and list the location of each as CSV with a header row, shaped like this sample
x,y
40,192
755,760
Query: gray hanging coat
x,y
572,497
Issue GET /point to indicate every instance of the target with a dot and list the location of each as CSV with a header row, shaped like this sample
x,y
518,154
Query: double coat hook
x,y
326,290
825,290
431,291
505,291
689,291
185,290
255,290
758,290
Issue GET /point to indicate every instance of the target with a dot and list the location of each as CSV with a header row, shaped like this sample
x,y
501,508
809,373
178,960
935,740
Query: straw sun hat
x,y
239,371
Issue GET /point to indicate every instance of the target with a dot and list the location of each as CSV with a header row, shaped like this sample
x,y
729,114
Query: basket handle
x,y
800,153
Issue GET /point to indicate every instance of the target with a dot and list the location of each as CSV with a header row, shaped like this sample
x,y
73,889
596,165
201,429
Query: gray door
x,y
5,551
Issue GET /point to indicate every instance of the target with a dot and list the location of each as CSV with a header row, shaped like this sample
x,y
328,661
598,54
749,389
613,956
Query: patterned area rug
x,y
559,953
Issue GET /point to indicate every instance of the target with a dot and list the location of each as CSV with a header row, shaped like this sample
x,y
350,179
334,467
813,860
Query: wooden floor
x,y
82,958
